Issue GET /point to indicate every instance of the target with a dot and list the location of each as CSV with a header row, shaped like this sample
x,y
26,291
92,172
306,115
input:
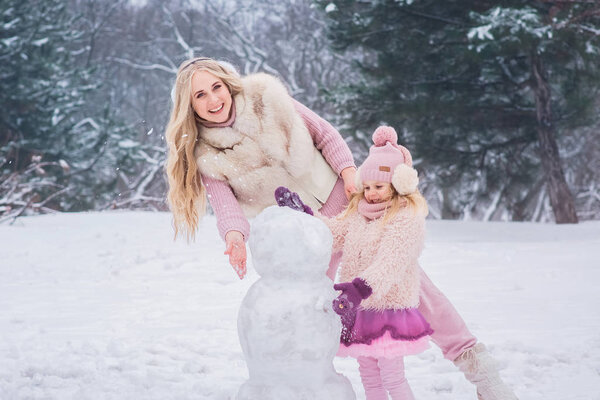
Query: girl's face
x,y
210,97
377,192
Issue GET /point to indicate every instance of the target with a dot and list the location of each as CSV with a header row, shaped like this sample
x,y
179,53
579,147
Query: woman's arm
x,y
331,144
327,139
231,222
230,216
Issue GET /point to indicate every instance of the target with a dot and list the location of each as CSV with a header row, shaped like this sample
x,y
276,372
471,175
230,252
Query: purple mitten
x,y
346,304
352,294
286,198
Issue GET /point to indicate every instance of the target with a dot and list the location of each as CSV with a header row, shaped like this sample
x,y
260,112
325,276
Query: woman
x,y
247,136
235,140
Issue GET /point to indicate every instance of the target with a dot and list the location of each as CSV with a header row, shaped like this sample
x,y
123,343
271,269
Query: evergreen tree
x,y
40,90
481,89
56,151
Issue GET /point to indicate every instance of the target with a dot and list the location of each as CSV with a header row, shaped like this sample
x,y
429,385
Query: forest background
x,y
497,101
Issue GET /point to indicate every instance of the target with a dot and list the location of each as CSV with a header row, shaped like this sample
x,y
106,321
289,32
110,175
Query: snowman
x,y
288,331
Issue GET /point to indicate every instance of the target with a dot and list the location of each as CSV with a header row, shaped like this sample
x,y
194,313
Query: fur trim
x,y
405,179
386,257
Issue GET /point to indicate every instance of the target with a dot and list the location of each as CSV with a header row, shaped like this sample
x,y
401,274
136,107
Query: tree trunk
x,y
561,198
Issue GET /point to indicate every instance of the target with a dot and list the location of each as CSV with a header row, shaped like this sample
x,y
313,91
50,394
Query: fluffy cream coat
x,y
267,146
385,256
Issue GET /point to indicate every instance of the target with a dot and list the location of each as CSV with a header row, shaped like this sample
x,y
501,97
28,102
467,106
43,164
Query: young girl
x,y
381,234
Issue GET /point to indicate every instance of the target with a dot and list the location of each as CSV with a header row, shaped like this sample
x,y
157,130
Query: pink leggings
x,y
450,332
382,376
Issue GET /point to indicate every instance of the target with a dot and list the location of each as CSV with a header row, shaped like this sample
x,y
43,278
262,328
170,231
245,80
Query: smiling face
x,y
210,97
377,192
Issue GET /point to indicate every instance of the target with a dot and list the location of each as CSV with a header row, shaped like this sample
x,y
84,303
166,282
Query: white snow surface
x,y
108,306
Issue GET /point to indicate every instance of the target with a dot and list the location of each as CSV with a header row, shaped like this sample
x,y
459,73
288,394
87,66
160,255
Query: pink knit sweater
x,y
385,256
326,138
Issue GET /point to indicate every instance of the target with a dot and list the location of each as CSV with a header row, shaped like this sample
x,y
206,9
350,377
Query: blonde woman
x,y
235,140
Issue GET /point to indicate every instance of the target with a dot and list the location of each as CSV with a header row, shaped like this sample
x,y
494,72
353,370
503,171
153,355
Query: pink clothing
x,y
384,347
373,210
230,216
384,156
327,139
450,333
383,376
384,255
334,264
331,144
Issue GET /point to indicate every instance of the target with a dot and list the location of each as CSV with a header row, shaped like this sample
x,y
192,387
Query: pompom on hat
x,y
388,162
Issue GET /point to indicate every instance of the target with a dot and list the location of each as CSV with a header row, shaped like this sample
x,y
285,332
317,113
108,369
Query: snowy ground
x,y
107,306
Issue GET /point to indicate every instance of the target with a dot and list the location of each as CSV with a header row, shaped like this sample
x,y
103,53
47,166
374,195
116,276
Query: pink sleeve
x,y
230,216
327,139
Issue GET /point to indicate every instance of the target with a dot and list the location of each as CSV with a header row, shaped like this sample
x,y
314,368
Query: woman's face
x,y
210,97
377,192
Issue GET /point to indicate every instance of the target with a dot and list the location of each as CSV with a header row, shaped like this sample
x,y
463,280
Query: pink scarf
x,y
372,211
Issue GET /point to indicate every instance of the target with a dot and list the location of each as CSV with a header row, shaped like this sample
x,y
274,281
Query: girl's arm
x,y
327,139
230,216
338,228
400,247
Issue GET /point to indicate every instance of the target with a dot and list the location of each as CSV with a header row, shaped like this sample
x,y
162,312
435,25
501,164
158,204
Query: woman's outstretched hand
x,y
236,249
348,175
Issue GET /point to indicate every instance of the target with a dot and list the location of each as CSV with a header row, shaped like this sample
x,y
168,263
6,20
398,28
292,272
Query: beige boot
x,y
480,369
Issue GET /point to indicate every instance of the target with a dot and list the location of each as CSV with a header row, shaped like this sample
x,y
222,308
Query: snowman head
x,y
288,243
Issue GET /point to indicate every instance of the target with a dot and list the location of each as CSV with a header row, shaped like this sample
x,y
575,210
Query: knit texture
x,y
327,139
385,256
388,162
384,156
230,216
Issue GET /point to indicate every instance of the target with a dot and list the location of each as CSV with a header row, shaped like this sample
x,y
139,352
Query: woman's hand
x,y
236,249
348,174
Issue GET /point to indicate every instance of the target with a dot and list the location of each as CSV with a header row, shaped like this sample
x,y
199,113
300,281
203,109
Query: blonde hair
x,y
187,195
415,201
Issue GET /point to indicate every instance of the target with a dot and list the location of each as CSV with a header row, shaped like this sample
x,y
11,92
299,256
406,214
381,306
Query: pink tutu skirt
x,y
384,347
385,334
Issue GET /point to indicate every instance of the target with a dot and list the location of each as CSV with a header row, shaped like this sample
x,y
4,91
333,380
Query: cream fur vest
x,y
267,146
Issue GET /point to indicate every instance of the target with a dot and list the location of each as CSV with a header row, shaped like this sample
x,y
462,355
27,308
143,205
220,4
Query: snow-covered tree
x,y
55,141
482,91
40,91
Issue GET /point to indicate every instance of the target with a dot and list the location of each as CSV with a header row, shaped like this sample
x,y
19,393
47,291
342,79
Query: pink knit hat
x,y
388,162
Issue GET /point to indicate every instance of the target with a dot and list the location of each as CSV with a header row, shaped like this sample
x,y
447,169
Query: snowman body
x,y
288,331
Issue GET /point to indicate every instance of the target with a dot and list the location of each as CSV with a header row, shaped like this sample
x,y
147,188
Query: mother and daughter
x,y
235,140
